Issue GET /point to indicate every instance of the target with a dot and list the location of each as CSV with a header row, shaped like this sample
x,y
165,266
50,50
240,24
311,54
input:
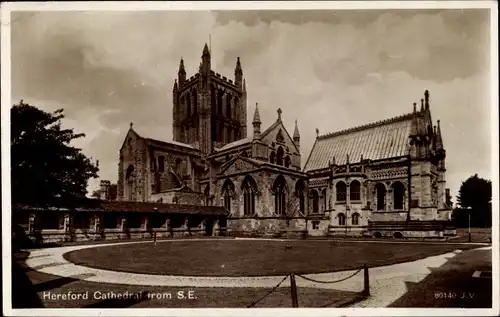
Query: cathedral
x,y
381,179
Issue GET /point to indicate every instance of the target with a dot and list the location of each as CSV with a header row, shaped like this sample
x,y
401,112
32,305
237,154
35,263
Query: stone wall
x,y
268,227
179,197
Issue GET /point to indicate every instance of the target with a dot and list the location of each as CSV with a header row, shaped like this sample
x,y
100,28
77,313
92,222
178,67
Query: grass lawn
x,y
252,257
31,289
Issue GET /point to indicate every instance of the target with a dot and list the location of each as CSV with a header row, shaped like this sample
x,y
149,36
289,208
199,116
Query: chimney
x,y
104,189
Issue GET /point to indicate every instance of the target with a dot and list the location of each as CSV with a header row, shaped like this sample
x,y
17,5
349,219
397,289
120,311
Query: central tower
x,y
209,110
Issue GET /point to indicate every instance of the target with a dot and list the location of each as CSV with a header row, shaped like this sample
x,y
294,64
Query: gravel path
x,y
387,283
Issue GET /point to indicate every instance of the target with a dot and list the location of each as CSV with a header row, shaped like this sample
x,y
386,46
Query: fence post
x,y
154,236
366,288
295,301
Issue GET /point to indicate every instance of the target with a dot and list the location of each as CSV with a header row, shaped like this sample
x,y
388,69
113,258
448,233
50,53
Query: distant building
x,y
384,178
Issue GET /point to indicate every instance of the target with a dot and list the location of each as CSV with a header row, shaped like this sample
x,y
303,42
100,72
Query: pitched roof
x,y
235,144
374,141
169,143
162,142
94,205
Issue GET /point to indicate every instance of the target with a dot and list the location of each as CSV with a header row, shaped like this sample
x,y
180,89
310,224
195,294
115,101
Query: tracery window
x,y
355,190
341,190
355,219
341,219
280,195
249,188
300,192
228,192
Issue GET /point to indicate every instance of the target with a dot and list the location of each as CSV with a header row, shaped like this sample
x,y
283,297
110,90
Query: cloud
x,y
328,69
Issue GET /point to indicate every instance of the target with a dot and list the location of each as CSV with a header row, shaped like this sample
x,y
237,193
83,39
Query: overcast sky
x,y
328,69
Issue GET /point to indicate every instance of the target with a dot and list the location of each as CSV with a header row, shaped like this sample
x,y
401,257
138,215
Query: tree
x,y
45,167
475,194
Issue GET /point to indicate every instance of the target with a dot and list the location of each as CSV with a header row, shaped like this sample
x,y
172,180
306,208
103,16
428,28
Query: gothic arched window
x,y
129,176
341,219
219,102
355,190
314,201
228,105
280,192
195,102
188,105
300,192
272,157
130,171
398,195
380,188
281,153
355,219
341,190
287,161
249,189
228,192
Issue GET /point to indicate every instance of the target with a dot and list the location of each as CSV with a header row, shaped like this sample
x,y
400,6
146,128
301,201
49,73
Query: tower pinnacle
x,y
296,134
256,122
206,51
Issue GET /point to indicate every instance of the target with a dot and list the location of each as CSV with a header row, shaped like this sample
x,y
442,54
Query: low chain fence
x,y
293,287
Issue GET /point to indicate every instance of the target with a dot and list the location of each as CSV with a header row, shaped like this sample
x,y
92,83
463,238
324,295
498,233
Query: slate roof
x,y
163,142
235,144
379,140
152,141
93,205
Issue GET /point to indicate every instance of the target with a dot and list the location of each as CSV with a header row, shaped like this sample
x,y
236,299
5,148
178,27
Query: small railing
x,y
293,287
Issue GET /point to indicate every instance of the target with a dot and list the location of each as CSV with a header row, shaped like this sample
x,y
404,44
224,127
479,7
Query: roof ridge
x,y
366,126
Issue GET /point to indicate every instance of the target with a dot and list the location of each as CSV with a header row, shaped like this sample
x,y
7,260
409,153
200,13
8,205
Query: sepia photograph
x,y
216,158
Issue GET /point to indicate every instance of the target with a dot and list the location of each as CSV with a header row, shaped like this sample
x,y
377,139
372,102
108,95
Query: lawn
x,y
230,257
31,289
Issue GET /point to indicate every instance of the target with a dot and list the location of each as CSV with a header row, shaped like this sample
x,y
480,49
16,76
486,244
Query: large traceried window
x,y
249,189
355,190
300,192
228,192
280,195
341,190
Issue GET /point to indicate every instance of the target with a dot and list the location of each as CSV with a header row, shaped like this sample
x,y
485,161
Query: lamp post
x,y
469,209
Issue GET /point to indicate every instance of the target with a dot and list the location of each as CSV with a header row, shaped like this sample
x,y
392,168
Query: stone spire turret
x,y
439,138
238,73
205,61
296,135
256,122
181,73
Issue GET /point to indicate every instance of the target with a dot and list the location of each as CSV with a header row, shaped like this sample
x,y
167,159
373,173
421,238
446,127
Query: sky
x,y
329,70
